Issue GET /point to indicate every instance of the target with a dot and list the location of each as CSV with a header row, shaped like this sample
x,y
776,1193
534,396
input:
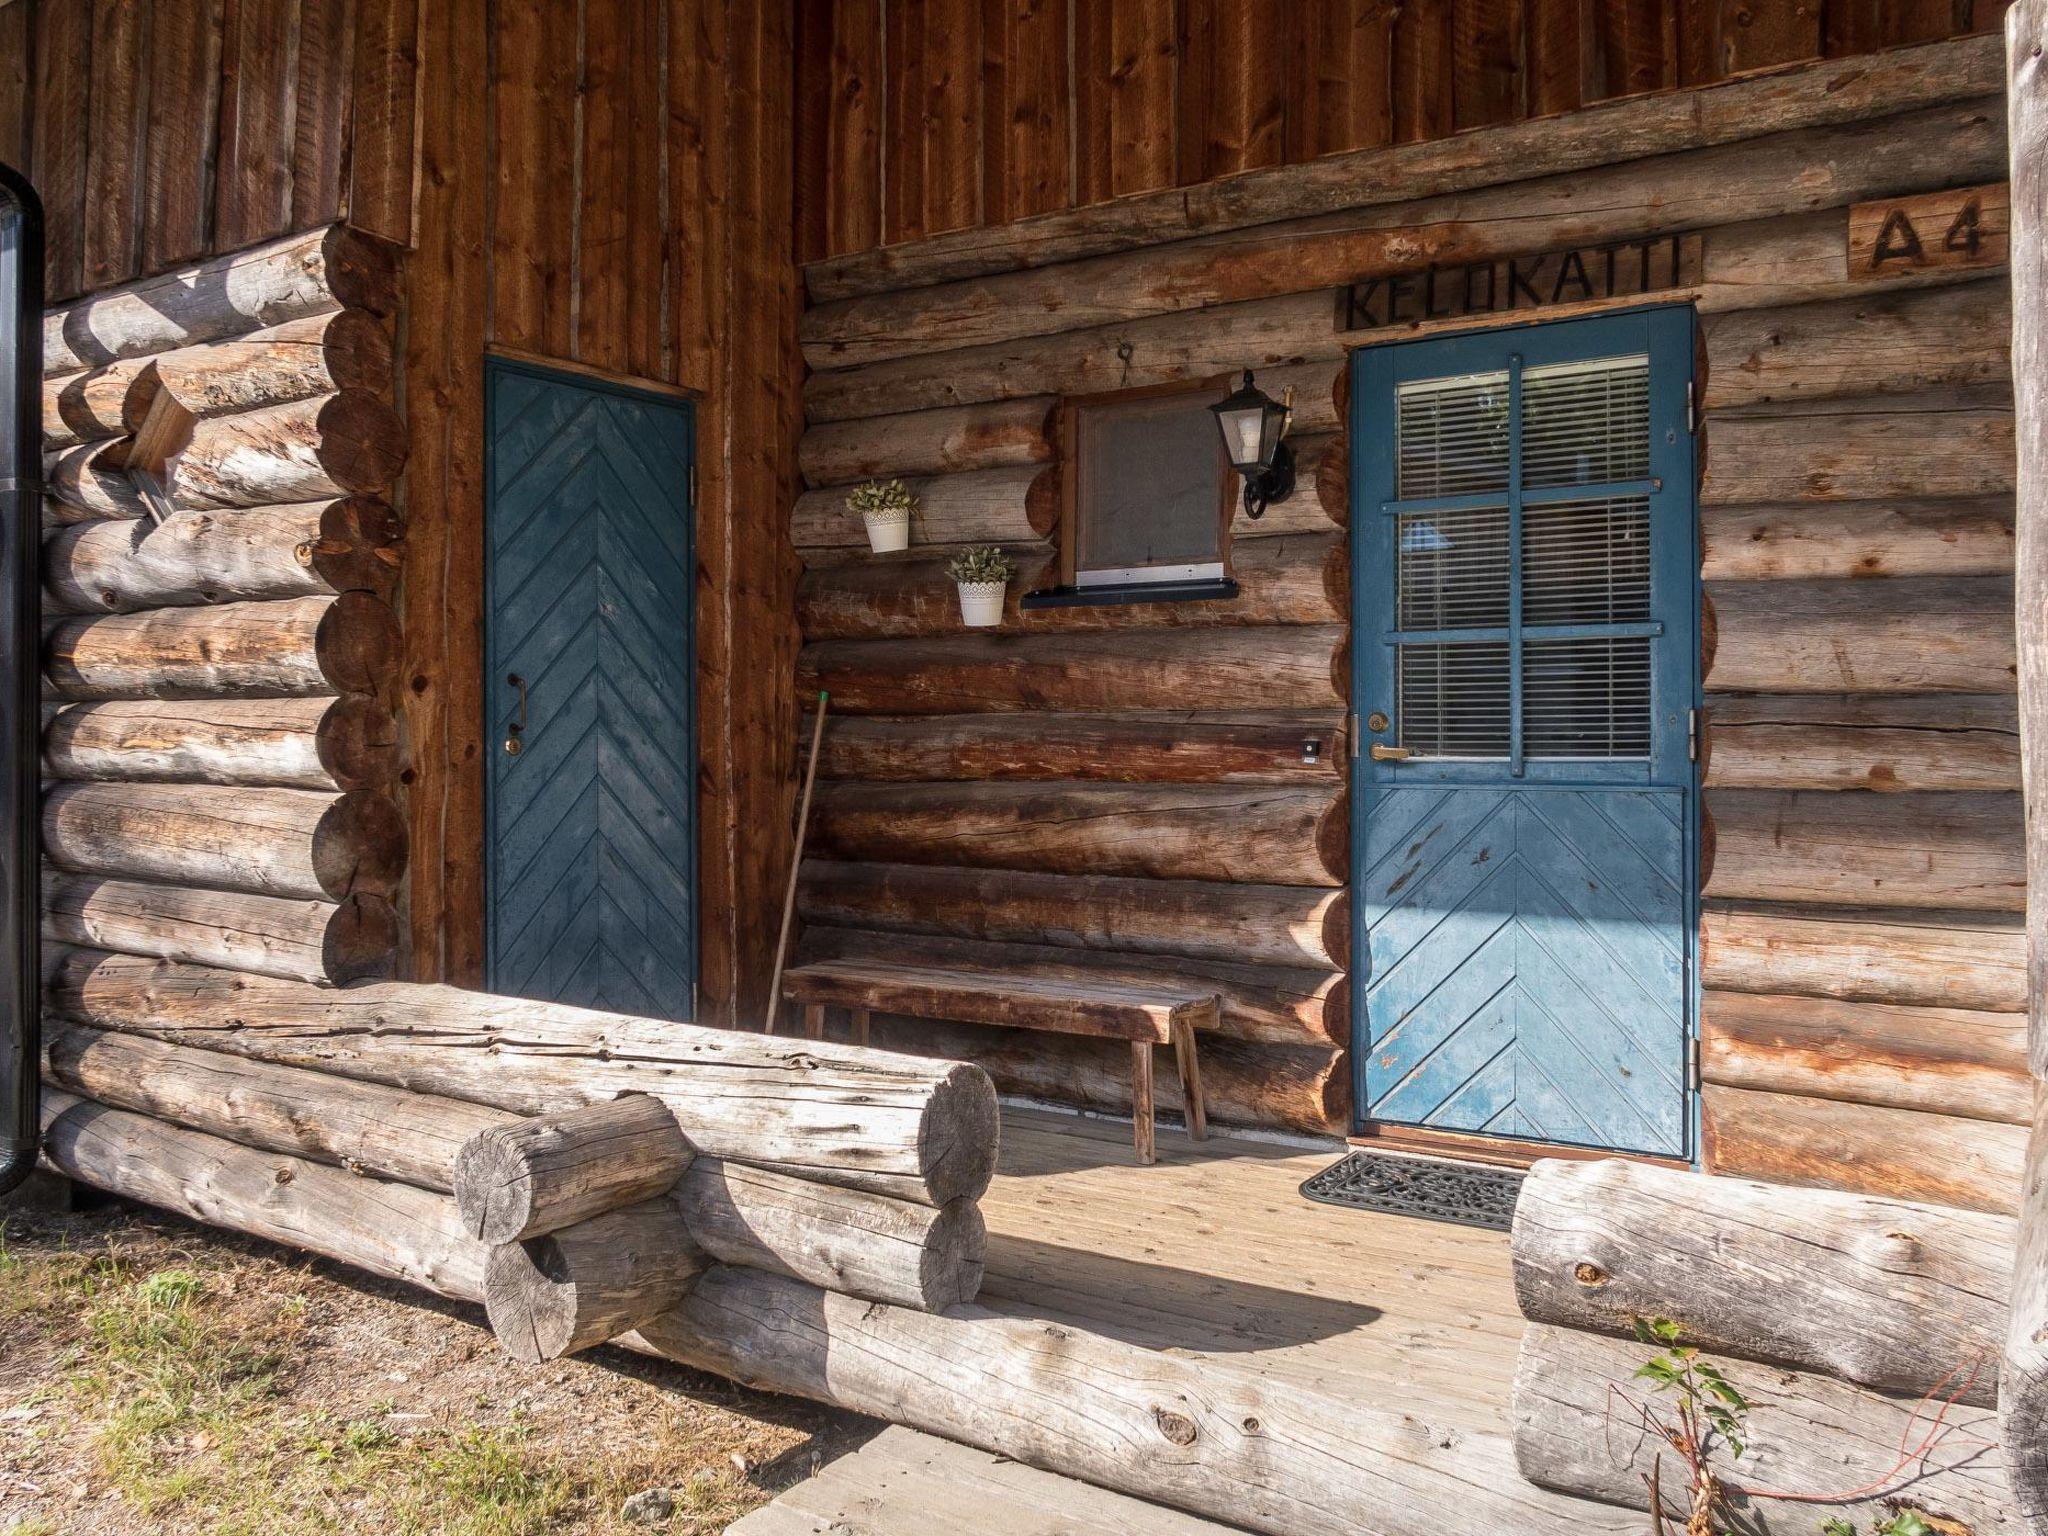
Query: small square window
x,y
1147,492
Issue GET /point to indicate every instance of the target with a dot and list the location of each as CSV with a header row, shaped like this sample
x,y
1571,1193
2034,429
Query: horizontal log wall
x,y
221,659
1130,787
1042,798
1863,869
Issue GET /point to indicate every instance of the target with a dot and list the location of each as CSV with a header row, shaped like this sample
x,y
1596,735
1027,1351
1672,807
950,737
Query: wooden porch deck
x,y
1212,1250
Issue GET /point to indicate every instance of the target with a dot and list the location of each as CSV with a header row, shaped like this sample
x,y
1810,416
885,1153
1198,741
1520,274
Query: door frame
x,y
1476,1145
496,363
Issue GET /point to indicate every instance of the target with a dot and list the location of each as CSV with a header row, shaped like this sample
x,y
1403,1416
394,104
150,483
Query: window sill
x,y
1213,589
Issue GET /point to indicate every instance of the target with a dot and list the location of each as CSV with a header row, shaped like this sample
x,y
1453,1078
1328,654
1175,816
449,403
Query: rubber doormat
x,y
1470,1194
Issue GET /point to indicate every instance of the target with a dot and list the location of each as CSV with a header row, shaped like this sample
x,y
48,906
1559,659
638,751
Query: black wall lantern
x,y
1254,427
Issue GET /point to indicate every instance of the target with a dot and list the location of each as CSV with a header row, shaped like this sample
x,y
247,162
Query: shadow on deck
x,y
1213,1251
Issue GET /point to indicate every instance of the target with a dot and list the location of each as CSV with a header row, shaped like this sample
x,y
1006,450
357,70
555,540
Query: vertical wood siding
x,y
160,131
899,135
604,183
608,185
1124,81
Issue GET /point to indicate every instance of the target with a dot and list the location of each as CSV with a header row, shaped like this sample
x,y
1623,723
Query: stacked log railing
x,y
505,1132
221,657
795,1215
1865,1333
1138,765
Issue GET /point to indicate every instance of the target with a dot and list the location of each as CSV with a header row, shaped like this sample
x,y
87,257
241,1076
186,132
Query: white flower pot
x,y
981,603
888,531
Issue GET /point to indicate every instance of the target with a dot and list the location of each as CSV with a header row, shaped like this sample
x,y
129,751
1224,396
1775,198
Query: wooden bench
x,y
1144,1015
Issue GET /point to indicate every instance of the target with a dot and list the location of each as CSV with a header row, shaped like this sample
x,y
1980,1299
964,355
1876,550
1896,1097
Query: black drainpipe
x,y
21,646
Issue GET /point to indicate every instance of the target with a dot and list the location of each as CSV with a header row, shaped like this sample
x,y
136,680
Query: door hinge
x,y
1692,416
1692,735
1695,1073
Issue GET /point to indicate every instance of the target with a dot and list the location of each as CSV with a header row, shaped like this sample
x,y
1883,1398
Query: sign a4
x,y
1960,228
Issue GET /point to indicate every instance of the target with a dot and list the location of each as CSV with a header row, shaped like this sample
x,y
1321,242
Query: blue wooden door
x,y
1526,597
590,690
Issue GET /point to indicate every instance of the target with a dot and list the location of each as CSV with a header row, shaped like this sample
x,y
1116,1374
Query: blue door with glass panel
x,y
589,693
1526,599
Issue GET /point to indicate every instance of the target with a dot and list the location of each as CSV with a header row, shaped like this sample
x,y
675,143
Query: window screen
x,y
1148,490
1538,585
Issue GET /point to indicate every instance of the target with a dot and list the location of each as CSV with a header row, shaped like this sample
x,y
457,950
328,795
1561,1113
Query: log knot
x,y
1177,1427
1589,1274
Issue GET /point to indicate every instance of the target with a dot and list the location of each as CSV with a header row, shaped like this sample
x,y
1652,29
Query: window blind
x,y
1583,563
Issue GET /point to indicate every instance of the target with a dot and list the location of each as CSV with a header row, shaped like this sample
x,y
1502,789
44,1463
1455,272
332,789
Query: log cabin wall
x,y
919,117
599,184
222,661
1123,788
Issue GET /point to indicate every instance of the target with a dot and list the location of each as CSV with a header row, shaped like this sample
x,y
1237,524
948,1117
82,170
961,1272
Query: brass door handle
x,y
1385,754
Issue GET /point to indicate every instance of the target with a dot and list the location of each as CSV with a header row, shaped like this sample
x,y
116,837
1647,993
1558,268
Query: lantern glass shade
x,y
1252,423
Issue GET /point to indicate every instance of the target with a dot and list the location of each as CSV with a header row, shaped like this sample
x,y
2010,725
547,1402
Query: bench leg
x,y
1190,1079
1141,1100
814,1021
860,1025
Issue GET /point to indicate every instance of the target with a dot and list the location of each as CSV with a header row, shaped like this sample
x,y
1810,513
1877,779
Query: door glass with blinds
x,y
1524,624
1549,587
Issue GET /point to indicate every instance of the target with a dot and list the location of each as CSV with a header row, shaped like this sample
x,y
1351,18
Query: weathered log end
x,y
358,548
571,1289
362,441
362,271
361,941
360,845
960,1135
1042,502
1336,927
1333,838
358,743
358,643
552,1171
955,1257
1333,481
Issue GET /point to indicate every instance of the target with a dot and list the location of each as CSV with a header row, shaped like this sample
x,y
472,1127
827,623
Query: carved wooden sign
x,y
1625,269
1962,227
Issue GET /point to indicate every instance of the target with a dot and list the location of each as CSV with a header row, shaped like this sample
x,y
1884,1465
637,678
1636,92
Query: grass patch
x,y
195,1388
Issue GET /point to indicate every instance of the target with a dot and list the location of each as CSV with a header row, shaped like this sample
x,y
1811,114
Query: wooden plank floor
x,y
902,1483
1213,1251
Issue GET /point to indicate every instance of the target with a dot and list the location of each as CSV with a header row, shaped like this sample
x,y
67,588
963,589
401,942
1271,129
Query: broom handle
x,y
796,859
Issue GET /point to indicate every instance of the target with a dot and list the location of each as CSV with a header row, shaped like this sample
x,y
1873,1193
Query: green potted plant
x,y
886,507
983,575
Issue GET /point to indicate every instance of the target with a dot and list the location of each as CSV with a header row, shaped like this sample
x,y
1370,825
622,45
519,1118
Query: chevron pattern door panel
x,y
1524,845
1526,964
589,651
